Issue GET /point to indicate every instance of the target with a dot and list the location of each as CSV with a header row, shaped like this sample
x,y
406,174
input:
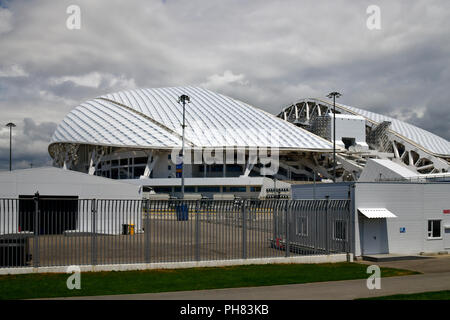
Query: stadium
x,y
117,174
136,136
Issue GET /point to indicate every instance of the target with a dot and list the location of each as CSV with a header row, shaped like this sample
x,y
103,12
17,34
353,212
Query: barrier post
x,y
286,214
36,231
244,230
94,232
327,226
147,231
197,232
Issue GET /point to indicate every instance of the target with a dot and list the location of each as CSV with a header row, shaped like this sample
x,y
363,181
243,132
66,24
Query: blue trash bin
x,y
182,212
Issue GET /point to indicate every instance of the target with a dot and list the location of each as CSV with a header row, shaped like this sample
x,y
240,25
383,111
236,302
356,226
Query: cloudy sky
x,y
265,52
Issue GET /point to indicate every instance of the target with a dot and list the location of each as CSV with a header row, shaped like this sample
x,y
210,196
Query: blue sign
x,y
402,230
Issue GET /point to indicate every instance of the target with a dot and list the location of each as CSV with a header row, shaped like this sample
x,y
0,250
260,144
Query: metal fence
x,y
37,231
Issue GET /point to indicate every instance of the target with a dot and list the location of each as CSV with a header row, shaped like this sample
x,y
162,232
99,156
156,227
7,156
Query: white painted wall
x,y
58,182
413,204
349,126
386,170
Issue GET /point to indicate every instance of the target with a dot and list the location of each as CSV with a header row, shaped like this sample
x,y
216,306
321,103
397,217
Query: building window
x,y
123,173
140,160
162,189
255,189
234,168
340,230
208,189
216,168
115,173
139,171
434,229
235,189
301,228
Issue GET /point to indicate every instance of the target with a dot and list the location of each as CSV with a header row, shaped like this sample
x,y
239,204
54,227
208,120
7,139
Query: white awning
x,y
377,213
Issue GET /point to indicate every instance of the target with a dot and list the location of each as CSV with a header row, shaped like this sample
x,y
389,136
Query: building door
x,y
374,236
447,237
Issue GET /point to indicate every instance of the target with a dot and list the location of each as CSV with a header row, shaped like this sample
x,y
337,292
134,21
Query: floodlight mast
x,y
183,99
334,95
10,125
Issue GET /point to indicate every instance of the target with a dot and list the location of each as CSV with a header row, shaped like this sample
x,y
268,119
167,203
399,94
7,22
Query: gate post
x,y
36,231
147,231
197,232
244,231
327,226
350,231
94,232
286,214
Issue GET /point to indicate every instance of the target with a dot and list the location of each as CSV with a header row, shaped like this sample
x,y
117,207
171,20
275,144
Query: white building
x,y
67,198
391,217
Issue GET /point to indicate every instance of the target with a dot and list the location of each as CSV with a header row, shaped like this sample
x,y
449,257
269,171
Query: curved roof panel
x,y
152,118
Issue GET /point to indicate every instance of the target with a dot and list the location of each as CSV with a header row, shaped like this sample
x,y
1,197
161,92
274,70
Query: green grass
x,y
128,282
435,295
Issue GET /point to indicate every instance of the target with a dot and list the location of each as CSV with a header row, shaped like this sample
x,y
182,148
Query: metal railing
x,y
38,231
421,178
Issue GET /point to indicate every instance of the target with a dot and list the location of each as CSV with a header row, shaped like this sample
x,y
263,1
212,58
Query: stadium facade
x,y
233,147
367,135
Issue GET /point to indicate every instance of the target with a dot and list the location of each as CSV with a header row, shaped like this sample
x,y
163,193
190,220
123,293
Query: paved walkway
x,y
437,264
342,290
436,277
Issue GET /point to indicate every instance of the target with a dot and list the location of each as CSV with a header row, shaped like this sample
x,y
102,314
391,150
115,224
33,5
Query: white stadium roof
x,y
426,139
151,118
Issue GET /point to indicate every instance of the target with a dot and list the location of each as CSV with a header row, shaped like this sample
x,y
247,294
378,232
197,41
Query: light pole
x,y
10,125
183,99
334,95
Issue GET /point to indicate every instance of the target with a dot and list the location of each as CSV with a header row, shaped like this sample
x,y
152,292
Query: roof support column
x,y
151,161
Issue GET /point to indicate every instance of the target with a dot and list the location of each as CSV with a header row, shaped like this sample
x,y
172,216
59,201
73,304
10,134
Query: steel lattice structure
x,y
388,138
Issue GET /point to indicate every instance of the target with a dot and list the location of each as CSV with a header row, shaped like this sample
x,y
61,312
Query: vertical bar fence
x,y
43,231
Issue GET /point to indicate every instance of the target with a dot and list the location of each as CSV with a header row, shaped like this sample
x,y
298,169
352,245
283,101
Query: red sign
x,y
446,211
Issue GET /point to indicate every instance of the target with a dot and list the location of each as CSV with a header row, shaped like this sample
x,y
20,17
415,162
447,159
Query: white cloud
x,y
5,20
228,78
95,80
92,80
12,71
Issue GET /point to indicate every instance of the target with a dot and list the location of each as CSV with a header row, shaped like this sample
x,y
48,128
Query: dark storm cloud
x,y
30,141
266,53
